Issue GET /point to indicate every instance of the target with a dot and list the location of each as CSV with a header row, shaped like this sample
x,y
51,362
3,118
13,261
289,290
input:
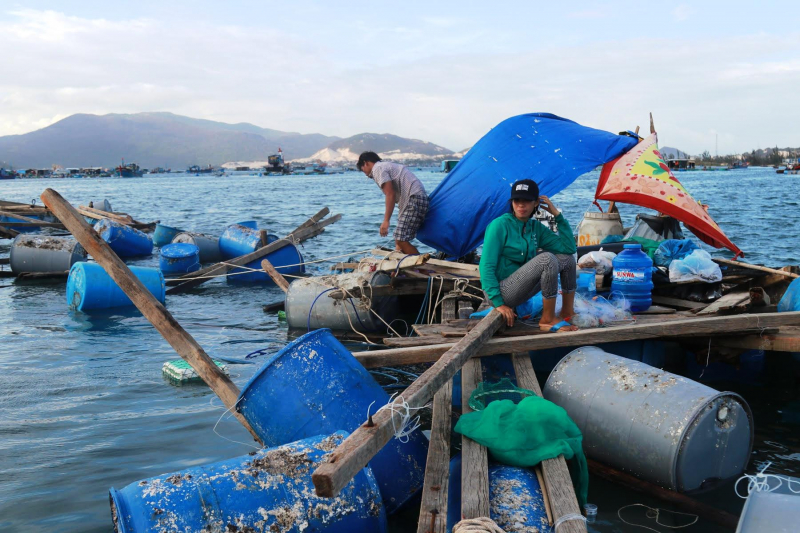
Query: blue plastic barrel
x,y
270,490
179,258
252,224
633,275
515,497
315,385
239,240
163,235
124,240
90,287
286,260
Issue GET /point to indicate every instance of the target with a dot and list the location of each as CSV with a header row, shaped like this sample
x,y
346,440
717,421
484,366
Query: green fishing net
x,y
485,393
526,433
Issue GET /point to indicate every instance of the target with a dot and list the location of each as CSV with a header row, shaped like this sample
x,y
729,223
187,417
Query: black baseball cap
x,y
525,190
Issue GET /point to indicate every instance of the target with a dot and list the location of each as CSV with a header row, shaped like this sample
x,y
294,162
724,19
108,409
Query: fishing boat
x,y
276,164
195,169
7,174
130,170
739,165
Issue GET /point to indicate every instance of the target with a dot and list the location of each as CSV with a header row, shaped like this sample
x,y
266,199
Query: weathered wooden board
x,y
661,329
474,457
433,511
557,480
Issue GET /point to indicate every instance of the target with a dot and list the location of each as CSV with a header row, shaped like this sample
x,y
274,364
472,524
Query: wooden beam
x,y
742,264
276,276
732,300
8,233
362,445
18,217
474,457
465,269
194,279
557,480
786,339
400,262
162,320
678,303
663,329
39,224
683,502
433,511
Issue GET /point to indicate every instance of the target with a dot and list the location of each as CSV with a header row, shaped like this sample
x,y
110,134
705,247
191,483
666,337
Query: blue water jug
x,y
633,277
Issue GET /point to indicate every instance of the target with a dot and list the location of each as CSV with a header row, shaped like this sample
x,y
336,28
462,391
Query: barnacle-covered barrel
x,y
270,490
655,425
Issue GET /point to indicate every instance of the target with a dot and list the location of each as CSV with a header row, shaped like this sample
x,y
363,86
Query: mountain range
x,y
175,141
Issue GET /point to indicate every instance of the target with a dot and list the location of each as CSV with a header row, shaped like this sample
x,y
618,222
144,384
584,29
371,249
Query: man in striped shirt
x,y
401,187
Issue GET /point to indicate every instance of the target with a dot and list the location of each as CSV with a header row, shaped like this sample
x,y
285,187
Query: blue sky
x,y
445,72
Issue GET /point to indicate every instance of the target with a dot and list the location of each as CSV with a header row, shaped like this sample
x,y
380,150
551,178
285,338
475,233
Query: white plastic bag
x,y
600,261
697,266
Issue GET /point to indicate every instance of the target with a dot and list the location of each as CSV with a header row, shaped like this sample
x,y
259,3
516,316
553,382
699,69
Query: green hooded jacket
x,y
509,243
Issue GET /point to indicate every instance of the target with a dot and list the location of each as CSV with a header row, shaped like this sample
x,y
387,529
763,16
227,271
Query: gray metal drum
x,y
655,425
208,245
102,205
305,303
40,253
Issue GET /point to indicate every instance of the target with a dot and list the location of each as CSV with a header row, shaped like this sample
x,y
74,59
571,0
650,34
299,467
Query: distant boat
x,y
276,164
130,170
448,165
739,165
194,169
7,174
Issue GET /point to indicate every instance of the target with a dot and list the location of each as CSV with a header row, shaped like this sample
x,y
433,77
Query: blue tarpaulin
x,y
548,149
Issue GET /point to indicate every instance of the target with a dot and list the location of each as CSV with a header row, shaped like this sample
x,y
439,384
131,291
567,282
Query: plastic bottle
x,y
632,277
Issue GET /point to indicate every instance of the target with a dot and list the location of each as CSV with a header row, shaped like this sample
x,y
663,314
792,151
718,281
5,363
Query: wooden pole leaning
x,y
276,276
162,320
361,446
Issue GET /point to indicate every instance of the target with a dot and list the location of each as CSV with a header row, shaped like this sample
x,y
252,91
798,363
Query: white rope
x,y
228,411
760,482
482,524
654,514
407,424
567,518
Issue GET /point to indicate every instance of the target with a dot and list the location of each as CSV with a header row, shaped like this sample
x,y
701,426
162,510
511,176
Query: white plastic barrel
x,y
597,226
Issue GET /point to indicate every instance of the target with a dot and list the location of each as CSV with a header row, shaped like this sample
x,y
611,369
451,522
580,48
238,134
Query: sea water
x,y
83,405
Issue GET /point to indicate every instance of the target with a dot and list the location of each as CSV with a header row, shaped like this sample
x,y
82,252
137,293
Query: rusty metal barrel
x,y
657,426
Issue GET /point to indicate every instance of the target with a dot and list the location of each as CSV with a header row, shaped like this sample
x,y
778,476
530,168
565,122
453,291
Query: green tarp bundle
x,y
527,433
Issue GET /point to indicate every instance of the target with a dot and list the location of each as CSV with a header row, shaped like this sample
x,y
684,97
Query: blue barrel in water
x,y
315,385
516,502
163,235
239,240
124,240
270,490
89,287
633,275
179,258
252,224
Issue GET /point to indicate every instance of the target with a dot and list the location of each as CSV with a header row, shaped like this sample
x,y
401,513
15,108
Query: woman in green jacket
x,y
511,269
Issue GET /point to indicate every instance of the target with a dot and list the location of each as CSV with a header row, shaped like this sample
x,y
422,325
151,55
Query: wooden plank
x,y
39,224
737,298
199,277
274,306
683,502
678,303
449,309
557,480
97,214
162,320
42,275
362,445
8,233
400,263
786,339
276,276
755,267
474,457
662,328
465,269
18,217
657,310
433,511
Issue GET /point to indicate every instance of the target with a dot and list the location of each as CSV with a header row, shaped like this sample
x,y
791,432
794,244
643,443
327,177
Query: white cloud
x,y
682,12
426,88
